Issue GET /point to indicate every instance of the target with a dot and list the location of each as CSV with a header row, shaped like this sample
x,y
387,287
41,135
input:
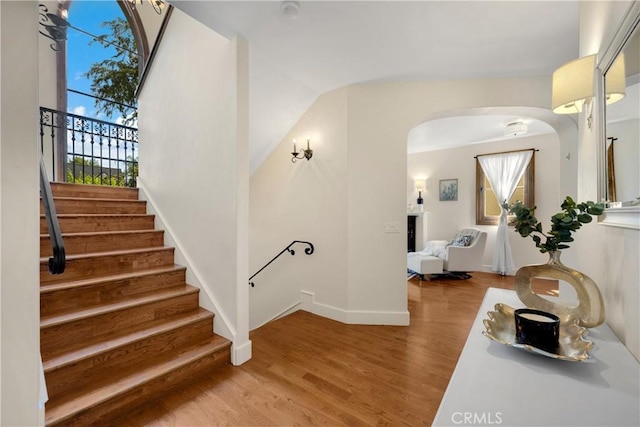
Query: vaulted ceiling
x,y
336,43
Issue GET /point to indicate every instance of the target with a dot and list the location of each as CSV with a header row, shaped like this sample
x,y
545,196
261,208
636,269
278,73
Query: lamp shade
x,y
572,85
419,184
614,80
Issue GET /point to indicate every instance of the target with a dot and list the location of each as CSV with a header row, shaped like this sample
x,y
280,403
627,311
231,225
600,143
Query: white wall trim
x,y
487,268
293,307
241,353
353,317
627,217
222,325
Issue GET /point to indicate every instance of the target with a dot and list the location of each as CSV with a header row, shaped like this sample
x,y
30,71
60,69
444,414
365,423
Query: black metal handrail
x,y
57,261
307,251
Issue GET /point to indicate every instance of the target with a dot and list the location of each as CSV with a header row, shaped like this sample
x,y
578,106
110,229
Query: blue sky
x,y
88,16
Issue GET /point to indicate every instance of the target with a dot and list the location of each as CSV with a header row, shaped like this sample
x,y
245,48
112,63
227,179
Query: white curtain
x,y
503,172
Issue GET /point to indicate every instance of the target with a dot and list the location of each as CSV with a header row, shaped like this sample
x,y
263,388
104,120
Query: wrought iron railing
x,y
309,250
92,151
57,261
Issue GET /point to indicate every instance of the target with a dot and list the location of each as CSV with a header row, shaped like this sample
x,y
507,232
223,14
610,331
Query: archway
x,y
71,109
564,126
556,166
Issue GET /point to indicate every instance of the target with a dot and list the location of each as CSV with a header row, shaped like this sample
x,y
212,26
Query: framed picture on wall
x,y
448,190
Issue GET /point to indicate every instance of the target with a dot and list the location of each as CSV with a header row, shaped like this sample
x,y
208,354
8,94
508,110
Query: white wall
x,y
48,81
608,254
446,218
19,215
194,167
377,170
378,119
302,201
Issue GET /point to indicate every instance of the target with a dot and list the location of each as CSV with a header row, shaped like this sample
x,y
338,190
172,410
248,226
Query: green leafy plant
x,y
563,223
116,78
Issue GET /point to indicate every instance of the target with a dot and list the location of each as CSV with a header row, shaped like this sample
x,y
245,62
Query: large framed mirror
x,y
619,142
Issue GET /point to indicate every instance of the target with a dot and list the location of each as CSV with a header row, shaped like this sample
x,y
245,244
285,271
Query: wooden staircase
x,y
120,326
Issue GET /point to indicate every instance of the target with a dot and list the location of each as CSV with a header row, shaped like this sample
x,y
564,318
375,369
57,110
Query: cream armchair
x,y
457,257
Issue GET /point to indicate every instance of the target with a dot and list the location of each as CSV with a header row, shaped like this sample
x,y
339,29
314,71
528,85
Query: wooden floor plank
x,y
308,370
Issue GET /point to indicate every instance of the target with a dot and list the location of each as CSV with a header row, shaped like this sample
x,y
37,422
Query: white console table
x,y
495,384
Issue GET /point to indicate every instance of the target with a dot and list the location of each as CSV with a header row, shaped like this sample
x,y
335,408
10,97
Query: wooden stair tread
x,y
112,343
74,403
116,333
104,233
53,287
45,260
97,205
61,318
90,191
97,199
84,241
94,215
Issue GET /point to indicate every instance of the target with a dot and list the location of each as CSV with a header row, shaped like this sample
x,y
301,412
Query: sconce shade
x,y
614,80
572,85
420,184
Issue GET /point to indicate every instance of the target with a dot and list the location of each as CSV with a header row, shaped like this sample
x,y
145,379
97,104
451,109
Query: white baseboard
x,y
352,317
287,311
488,269
241,353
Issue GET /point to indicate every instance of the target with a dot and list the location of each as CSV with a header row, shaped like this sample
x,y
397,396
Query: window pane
x,y
488,209
517,195
491,207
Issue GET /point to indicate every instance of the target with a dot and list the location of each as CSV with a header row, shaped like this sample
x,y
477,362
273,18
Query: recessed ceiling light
x,y
515,129
290,9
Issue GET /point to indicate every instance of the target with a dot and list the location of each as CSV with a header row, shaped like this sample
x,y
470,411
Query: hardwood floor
x,y
308,370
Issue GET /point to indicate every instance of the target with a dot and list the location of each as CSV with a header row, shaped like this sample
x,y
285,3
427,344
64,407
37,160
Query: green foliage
x,y
116,78
562,224
79,160
96,180
126,179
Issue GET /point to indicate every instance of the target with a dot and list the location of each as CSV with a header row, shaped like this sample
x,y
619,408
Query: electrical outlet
x,y
391,227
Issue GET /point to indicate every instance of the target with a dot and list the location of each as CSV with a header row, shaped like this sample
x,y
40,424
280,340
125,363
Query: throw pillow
x,y
461,241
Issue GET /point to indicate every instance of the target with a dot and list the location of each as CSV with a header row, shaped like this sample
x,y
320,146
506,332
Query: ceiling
x,y
459,130
336,43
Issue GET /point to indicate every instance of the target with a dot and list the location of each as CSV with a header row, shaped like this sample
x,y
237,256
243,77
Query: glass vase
x,y
590,309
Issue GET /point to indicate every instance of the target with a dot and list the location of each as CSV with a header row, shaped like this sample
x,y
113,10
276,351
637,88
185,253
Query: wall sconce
x,y
305,154
572,86
614,81
420,185
158,5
